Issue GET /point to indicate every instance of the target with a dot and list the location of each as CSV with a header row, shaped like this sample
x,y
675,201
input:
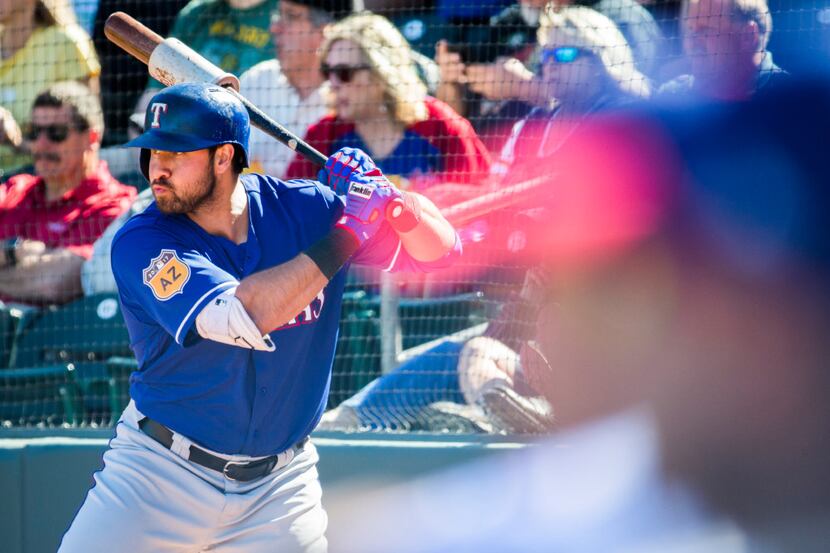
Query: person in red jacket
x,y
50,219
381,107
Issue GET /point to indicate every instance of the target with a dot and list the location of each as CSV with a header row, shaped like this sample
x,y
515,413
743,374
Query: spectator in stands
x,y
516,76
232,34
291,88
40,44
96,272
636,24
587,67
50,219
382,107
726,44
482,370
469,13
473,58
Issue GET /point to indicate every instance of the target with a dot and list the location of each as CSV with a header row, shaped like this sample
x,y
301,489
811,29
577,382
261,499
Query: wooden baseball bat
x,y
526,192
140,42
186,65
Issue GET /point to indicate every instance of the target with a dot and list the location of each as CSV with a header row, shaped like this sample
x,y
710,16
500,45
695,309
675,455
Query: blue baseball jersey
x,y
227,398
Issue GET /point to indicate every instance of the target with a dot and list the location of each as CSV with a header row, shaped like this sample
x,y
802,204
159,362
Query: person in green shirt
x,y
232,34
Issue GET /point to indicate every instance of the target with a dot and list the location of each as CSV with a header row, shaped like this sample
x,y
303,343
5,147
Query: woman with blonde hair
x,y
382,107
40,44
587,67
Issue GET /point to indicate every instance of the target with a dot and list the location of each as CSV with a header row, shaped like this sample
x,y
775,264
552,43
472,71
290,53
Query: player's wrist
x,y
359,231
332,251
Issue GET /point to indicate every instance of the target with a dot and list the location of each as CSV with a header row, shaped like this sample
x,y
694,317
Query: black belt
x,y
242,472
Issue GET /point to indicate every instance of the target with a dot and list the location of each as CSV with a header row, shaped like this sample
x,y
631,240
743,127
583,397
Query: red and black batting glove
x,y
367,201
403,213
342,165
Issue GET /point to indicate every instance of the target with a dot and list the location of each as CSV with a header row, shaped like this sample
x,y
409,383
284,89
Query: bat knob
x,y
402,217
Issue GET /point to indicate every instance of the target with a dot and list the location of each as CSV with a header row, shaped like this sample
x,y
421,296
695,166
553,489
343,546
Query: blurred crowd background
x,y
591,127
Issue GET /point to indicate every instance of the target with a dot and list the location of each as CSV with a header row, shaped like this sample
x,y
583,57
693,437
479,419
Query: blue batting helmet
x,y
192,116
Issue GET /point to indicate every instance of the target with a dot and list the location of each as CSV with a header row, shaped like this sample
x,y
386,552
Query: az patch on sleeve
x,y
166,275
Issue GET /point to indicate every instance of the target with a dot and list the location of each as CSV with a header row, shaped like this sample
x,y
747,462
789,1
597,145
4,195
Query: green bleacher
x,y
70,365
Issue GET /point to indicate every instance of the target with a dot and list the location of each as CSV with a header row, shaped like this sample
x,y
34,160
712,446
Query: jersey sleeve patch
x,y
166,275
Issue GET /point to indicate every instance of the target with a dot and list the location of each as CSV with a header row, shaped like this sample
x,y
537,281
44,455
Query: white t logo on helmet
x,y
157,108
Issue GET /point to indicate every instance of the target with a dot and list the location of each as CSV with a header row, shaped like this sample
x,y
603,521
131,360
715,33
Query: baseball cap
x,y
338,9
756,187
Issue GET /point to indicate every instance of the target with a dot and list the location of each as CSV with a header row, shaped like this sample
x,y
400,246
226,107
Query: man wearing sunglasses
x,y
49,220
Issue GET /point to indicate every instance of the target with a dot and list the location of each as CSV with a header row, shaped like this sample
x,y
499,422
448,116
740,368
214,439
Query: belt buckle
x,y
228,466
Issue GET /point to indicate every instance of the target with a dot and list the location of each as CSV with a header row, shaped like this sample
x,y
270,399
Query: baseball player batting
x,y
231,288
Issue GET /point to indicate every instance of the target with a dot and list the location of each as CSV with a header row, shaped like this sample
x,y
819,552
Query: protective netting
x,y
455,100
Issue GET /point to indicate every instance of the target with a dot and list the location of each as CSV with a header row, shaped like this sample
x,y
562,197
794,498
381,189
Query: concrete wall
x,y
44,479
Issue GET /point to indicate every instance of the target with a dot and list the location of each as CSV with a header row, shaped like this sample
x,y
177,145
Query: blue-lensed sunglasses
x,y
562,54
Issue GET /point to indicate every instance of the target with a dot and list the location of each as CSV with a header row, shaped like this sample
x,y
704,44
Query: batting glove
x,y
366,203
342,164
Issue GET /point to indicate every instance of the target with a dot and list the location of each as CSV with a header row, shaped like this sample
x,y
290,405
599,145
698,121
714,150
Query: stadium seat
x,y
6,335
118,379
92,380
423,320
42,396
12,319
90,337
357,358
89,329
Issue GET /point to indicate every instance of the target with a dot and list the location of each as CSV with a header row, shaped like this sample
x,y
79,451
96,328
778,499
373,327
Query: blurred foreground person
x,y
689,353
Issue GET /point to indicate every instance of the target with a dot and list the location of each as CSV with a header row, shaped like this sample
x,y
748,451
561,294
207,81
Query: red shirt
x,y
443,147
73,221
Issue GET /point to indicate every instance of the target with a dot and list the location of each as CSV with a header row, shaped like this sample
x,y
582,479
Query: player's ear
x,y
223,159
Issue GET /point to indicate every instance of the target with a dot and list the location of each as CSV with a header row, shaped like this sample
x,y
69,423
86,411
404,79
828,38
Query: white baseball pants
x,y
149,499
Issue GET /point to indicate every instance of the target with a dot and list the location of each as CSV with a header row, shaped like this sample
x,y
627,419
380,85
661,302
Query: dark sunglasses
x,y
563,54
54,133
344,73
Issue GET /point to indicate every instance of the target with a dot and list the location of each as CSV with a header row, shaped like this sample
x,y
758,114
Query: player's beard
x,y
173,203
